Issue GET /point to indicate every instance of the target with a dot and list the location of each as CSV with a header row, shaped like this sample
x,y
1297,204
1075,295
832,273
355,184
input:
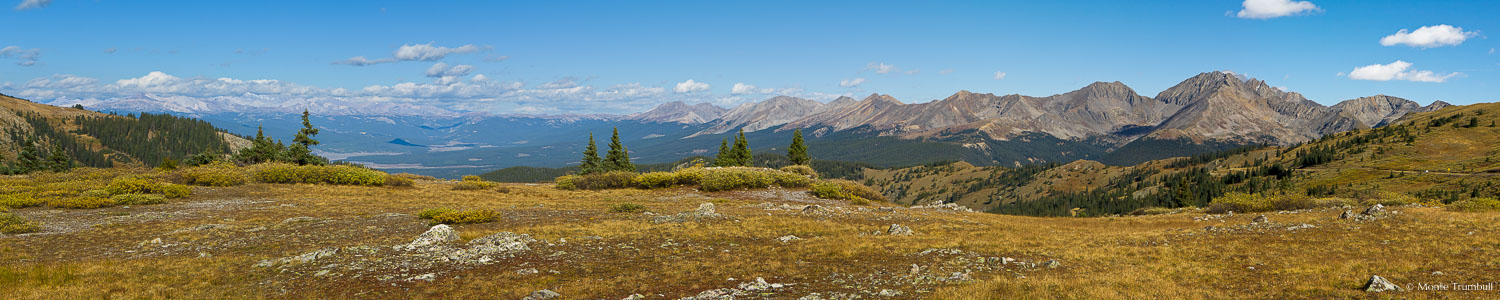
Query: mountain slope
x,y
102,140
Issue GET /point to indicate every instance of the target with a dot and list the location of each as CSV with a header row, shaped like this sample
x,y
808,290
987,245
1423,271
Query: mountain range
x,y
1213,106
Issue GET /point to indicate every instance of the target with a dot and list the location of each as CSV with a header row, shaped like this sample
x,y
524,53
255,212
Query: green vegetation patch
x,y
453,216
13,224
315,174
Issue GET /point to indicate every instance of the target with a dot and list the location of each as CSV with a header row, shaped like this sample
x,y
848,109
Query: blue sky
x,y
621,56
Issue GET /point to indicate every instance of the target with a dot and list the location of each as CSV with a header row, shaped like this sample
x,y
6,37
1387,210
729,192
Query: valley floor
x,y
312,241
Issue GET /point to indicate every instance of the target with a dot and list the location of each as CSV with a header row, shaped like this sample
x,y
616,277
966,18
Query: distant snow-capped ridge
x,y
254,103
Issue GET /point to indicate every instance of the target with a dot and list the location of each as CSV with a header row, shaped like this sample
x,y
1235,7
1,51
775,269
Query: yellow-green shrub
x,y
414,176
472,185
215,174
723,179
656,180
433,212
337,175
138,199
845,190
466,217
690,176
13,224
80,202
20,201
565,182
607,180
801,169
95,193
394,180
1475,205
472,178
139,185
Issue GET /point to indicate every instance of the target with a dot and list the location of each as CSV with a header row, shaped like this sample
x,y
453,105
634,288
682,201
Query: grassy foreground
x,y
614,243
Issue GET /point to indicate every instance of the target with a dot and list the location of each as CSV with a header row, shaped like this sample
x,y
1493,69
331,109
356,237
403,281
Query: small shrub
x,y
470,186
80,202
1475,205
13,224
138,199
1153,210
656,180
335,174
95,193
690,176
415,176
472,178
433,212
830,190
565,182
138,185
503,189
607,180
723,179
58,194
860,190
792,180
393,180
215,174
802,170
20,201
466,217
627,208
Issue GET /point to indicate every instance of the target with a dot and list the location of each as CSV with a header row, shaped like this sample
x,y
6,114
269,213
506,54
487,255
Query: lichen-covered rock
x,y
897,229
542,295
1379,284
434,237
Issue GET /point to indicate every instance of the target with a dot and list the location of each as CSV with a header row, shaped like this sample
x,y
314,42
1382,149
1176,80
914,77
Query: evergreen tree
x,y
262,150
301,150
29,160
724,158
618,158
797,152
591,162
741,152
58,160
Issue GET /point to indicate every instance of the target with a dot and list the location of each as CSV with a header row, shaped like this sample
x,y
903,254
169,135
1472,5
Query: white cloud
x,y
1399,70
691,86
851,82
111,50
428,52
30,4
1266,9
913,71
1492,50
880,68
560,84
361,61
1429,37
740,88
443,70
23,56
945,71
999,75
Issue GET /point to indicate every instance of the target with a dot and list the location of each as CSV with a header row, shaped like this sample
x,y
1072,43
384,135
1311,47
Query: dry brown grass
x,y
99,254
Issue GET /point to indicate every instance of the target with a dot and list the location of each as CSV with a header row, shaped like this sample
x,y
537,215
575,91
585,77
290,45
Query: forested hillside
x,y
93,139
1439,157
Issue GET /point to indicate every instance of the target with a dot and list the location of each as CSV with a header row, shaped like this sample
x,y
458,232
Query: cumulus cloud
x,y
361,61
691,86
30,4
414,52
880,68
443,70
1429,37
23,56
851,82
1266,9
740,88
999,75
428,52
1399,70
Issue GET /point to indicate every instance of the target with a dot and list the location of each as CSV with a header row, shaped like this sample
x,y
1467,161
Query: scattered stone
x,y
298,220
889,293
204,227
945,206
1346,215
897,229
704,211
1374,210
524,272
760,284
301,259
504,242
542,294
1437,273
1379,284
433,238
1300,227
634,297
1259,219
788,239
1052,264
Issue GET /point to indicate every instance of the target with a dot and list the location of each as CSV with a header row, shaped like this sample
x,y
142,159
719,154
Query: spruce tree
x,y
618,158
29,160
797,152
724,158
58,161
591,161
741,150
301,150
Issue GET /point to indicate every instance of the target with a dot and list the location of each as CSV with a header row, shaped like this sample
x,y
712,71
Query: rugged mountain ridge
x,y
1212,106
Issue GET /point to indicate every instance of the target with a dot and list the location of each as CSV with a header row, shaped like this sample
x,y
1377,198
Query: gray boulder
x,y
542,294
1379,284
434,237
897,229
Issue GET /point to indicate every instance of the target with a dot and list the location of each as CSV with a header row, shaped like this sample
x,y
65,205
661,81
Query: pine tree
x,y
301,150
724,158
262,150
741,152
797,152
58,160
618,158
591,161
29,160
